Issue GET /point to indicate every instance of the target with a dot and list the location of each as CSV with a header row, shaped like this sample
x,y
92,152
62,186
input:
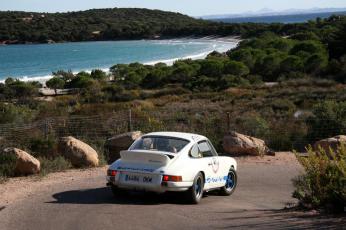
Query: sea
x,y
293,18
37,61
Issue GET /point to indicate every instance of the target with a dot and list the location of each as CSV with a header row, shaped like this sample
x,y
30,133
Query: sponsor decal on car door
x,y
212,172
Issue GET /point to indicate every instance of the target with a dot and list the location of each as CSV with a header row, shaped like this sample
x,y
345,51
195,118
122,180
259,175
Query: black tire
x,y
117,191
195,193
231,183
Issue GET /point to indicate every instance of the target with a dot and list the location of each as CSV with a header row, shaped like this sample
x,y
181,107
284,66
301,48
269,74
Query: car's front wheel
x,y
231,183
195,193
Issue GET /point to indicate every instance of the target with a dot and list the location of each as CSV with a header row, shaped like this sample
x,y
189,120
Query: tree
x,y
291,64
244,55
306,35
156,77
337,69
182,72
211,68
98,74
66,76
312,47
81,81
55,83
316,63
269,66
337,44
20,89
200,83
236,68
281,44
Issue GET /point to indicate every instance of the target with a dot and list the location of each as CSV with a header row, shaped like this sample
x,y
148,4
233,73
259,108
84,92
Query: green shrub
x,y
7,165
253,125
56,83
44,147
279,141
10,113
328,120
323,185
53,165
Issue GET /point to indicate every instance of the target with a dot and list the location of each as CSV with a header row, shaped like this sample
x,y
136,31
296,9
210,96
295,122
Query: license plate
x,y
138,178
131,178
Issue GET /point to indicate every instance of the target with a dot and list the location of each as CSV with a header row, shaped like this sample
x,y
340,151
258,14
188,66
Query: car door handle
x,y
210,164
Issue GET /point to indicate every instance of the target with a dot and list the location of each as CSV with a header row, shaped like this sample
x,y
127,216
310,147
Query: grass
x,y
56,164
7,165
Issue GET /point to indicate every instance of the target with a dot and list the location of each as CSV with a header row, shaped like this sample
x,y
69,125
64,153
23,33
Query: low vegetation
x,y
56,164
324,182
7,166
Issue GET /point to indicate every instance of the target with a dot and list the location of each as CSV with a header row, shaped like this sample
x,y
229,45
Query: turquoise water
x,y
37,62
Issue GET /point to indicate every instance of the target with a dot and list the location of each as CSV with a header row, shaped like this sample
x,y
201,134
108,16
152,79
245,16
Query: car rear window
x,y
160,143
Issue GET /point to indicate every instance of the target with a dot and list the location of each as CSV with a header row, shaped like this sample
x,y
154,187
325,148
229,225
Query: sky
x,y
190,7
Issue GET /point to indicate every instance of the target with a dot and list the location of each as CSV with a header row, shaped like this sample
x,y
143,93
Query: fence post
x,y
228,122
46,129
129,127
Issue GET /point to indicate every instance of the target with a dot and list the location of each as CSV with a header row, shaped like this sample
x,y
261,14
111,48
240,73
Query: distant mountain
x,y
270,12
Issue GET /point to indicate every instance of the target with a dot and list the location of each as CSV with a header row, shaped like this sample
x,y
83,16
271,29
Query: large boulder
x,y
238,144
79,153
334,143
25,163
114,145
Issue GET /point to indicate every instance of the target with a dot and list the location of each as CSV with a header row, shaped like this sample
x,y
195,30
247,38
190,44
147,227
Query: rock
x,y
334,143
114,145
79,153
238,144
25,163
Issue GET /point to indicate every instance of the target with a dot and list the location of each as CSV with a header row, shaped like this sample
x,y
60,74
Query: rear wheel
x,y
195,193
117,191
231,183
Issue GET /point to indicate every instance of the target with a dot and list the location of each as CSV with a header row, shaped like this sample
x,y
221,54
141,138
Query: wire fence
x,y
279,134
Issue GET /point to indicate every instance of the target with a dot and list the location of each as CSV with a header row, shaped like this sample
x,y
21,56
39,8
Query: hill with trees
x,y
97,24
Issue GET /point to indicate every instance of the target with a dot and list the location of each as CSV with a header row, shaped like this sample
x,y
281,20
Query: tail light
x,y
166,178
111,172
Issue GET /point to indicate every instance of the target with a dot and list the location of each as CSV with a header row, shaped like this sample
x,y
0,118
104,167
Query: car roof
x,y
188,136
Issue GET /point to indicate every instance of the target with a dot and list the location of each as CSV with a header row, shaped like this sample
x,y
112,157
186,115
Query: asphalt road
x,y
86,203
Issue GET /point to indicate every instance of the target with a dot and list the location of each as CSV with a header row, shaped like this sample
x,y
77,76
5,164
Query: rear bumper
x,y
159,188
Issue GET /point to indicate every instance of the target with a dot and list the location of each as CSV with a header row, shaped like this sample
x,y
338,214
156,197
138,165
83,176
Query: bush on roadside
x,y
7,166
53,165
44,147
323,185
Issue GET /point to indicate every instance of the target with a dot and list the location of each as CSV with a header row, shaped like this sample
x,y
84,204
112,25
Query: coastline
x,y
232,42
226,38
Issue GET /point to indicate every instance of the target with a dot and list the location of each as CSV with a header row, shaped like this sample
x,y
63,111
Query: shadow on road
x,y
280,219
231,219
105,196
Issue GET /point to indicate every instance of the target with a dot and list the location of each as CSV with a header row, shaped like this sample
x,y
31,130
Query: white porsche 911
x,y
173,161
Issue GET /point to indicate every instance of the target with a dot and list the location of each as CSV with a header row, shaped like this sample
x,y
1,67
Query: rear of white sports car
x,y
145,171
145,165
